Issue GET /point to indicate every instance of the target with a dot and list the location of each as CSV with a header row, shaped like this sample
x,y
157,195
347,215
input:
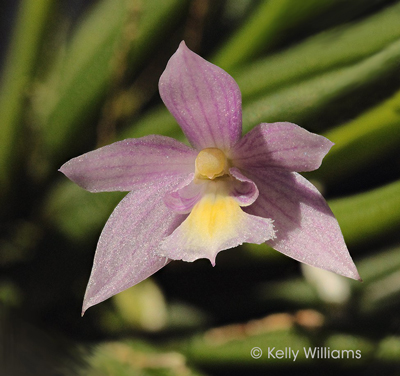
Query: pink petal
x,y
127,249
125,165
185,196
244,190
283,145
204,99
306,228
190,191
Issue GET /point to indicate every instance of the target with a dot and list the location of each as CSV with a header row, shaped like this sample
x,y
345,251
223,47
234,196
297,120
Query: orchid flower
x,y
187,203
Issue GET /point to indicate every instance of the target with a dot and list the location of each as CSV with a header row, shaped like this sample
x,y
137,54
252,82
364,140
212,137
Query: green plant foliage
x,y
122,32
67,208
329,50
125,359
371,136
16,80
358,214
297,102
264,26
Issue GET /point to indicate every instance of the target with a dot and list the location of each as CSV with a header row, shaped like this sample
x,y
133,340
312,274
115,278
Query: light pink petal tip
x,y
204,99
283,145
306,229
127,249
125,165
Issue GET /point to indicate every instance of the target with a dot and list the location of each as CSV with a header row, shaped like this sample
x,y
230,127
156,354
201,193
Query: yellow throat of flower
x,y
211,163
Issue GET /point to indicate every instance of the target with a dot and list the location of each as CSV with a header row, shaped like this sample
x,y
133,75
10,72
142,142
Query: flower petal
x,y
185,196
124,165
203,98
215,223
189,193
283,145
306,228
244,190
127,249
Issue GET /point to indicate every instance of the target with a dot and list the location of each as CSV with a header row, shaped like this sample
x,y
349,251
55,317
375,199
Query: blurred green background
x,y
76,75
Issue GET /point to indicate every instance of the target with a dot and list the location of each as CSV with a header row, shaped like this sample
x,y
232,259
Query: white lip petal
x,y
215,223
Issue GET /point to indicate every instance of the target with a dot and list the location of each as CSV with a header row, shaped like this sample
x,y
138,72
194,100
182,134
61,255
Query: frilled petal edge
x,y
127,249
215,223
204,99
126,165
306,228
283,145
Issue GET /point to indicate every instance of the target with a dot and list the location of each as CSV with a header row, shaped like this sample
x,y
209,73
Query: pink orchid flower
x,y
188,203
